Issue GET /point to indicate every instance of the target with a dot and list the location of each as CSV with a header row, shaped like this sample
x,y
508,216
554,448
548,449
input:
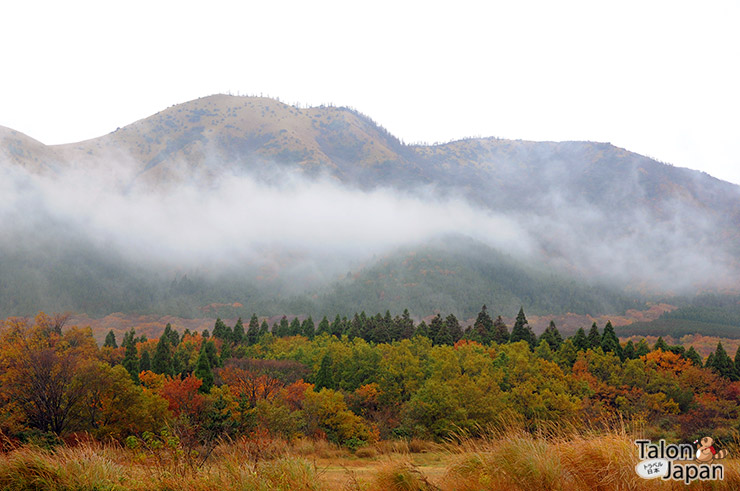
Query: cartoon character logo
x,y
706,452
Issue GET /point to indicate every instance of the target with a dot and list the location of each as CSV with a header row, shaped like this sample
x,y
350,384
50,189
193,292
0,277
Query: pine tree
x,y
172,336
131,356
422,330
522,332
220,330
660,344
453,326
323,326
253,331
213,358
284,327
483,326
146,362
594,337
264,329
709,362
325,375
443,336
552,336
308,328
337,327
205,334
203,370
382,330
722,363
237,334
642,348
500,331
580,341
695,357
110,340
629,351
295,327
434,326
610,341
162,360
543,350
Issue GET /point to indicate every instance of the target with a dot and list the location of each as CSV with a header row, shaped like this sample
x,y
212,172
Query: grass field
x,y
504,460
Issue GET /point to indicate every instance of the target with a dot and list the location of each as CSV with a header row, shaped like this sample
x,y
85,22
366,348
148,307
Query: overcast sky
x,y
659,78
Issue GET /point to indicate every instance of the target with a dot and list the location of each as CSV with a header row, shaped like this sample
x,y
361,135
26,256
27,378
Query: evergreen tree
x,y
695,357
543,350
308,328
323,326
237,334
264,329
422,330
213,358
737,360
408,325
552,336
642,348
629,351
186,332
253,331
443,336
172,336
325,375
594,337
522,332
220,330
146,362
580,341
337,327
131,356
500,331
226,353
660,344
110,340
203,370
295,327
483,326
610,341
382,330
162,360
205,334
284,327
722,364
453,326
434,326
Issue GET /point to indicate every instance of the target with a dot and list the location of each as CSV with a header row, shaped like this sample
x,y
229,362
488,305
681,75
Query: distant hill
x,y
602,228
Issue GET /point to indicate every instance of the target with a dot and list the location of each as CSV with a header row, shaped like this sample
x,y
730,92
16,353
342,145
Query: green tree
x,y
443,336
610,341
580,341
482,329
323,326
220,331
642,348
594,337
629,351
434,326
162,360
722,364
453,326
295,327
422,330
237,335
131,356
660,344
203,370
146,361
253,331
500,331
110,340
325,375
308,328
264,329
695,358
172,336
522,331
552,336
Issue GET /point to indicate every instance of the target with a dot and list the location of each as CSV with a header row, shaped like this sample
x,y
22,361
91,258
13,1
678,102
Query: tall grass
x,y
504,458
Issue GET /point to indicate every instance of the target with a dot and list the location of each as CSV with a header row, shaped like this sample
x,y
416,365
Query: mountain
x,y
584,227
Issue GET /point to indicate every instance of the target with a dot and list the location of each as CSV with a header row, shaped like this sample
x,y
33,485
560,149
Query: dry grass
x,y
510,459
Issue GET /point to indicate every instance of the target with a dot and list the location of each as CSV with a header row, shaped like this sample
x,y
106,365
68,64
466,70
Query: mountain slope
x,y
586,212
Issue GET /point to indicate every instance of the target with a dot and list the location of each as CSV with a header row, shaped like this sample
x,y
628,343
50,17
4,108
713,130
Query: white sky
x,y
661,78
